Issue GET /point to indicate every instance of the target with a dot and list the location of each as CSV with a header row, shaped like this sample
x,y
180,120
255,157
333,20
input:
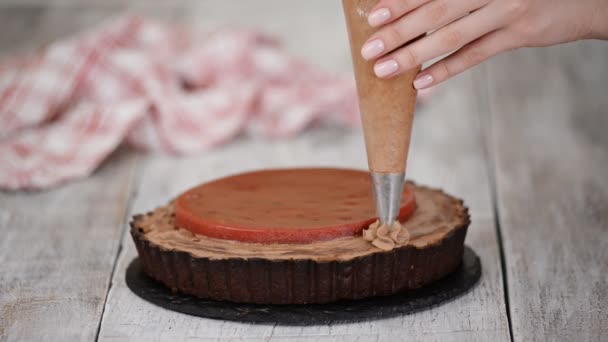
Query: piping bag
x,y
387,113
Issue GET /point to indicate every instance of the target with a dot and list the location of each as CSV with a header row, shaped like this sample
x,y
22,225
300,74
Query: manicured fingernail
x,y
379,17
386,68
372,49
423,81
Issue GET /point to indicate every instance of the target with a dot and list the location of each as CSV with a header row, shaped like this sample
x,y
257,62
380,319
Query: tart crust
x,y
319,272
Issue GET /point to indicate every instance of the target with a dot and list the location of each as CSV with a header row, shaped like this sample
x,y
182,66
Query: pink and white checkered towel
x,y
64,109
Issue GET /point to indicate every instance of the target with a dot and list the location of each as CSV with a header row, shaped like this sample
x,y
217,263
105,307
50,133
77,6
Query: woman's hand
x,y
474,30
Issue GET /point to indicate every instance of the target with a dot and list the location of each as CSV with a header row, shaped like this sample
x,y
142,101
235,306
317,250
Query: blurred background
x,y
311,29
521,138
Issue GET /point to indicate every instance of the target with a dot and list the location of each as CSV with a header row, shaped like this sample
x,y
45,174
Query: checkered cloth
x,y
64,109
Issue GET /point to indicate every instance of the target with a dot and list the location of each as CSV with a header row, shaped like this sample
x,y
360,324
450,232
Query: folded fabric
x,y
64,109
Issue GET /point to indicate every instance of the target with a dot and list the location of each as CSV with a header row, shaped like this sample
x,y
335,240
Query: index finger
x,y
387,11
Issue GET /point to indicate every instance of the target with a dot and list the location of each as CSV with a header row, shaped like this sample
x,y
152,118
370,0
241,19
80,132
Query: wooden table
x,y
523,139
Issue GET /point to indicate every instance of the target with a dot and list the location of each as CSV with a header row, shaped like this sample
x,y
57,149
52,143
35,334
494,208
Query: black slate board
x,y
408,302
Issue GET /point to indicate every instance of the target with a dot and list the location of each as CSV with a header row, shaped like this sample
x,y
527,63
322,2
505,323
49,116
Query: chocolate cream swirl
x,y
387,237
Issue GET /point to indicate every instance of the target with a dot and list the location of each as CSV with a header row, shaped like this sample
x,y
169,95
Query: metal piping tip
x,y
387,189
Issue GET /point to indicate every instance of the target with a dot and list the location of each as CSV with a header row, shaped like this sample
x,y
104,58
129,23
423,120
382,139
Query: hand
x,y
474,30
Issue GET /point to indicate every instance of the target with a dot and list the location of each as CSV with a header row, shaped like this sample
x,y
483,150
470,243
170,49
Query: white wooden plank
x,y
549,122
447,152
57,252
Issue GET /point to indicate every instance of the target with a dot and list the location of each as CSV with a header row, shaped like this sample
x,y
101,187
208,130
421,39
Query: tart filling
x,y
436,216
283,206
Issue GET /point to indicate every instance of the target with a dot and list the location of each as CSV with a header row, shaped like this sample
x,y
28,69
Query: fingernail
x,y
423,81
386,68
379,17
372,49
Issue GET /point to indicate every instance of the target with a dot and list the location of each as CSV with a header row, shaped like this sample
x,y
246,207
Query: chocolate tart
x,y
343,268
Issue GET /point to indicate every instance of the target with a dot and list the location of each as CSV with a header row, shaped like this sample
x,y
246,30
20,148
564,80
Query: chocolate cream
x,y
387,105
387,237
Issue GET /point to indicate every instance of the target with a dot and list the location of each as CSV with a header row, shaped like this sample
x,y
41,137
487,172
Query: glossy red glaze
x,y
283,206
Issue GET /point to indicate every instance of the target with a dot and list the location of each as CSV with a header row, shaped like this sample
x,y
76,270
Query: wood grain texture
x,y
447,152
549,118
57,253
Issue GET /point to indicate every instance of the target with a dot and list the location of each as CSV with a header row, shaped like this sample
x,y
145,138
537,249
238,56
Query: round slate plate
x,y
407,302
